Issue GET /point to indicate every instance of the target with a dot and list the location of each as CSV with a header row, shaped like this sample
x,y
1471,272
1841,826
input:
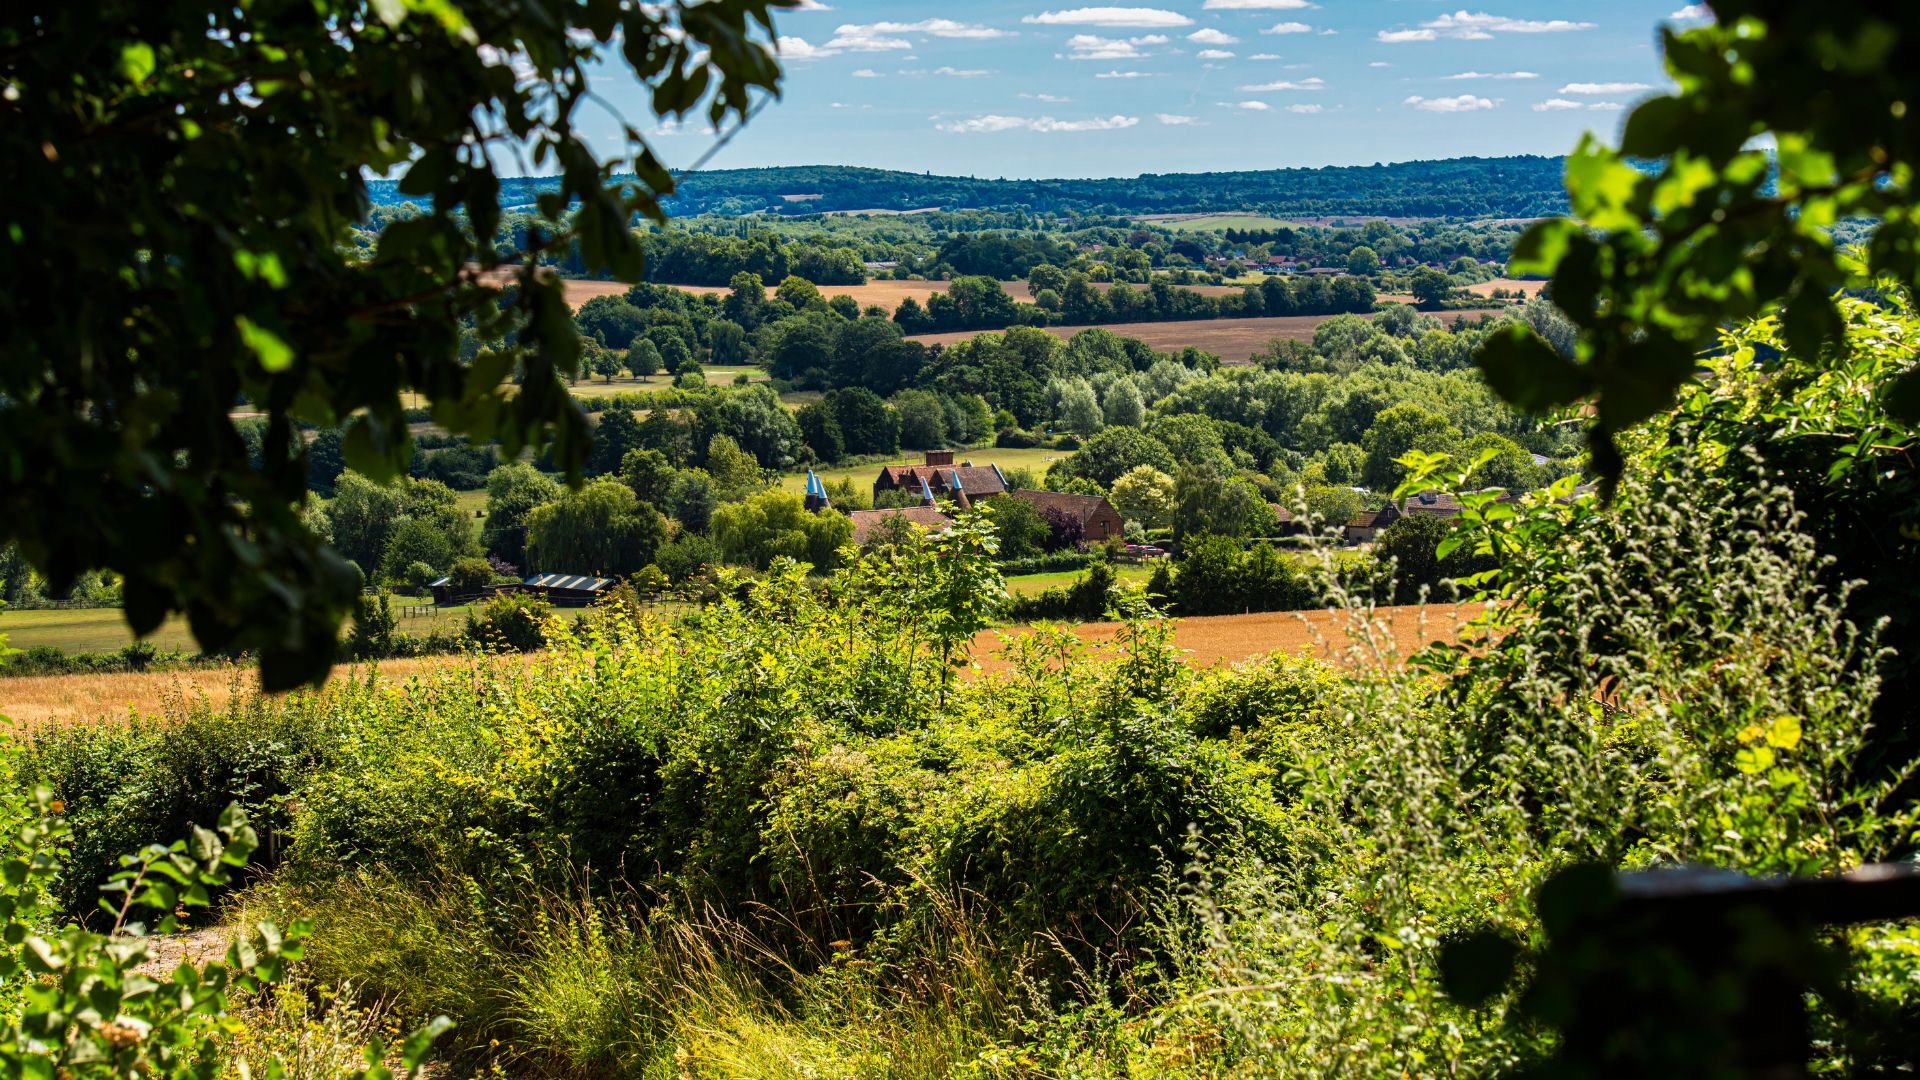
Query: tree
x,y
643,359
1394,432
1411,546
513,490
734,471
616,433
648,474
1079,410
746,295
691,499
1430,287
1363,261
1144,494
603,361
1645,267
866,423
675,354
1023,532
611,321
1205,503
772,524
821,431
804,295
923,423
1122,406
756,420
601,529
214,270
1046,277
727,343
1104,457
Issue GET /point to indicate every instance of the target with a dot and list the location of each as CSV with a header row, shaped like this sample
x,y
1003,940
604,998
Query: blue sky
x,y
1027,88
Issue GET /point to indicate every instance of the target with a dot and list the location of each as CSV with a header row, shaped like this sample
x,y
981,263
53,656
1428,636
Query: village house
x,y
961,484
1098,520
927,515
1365,527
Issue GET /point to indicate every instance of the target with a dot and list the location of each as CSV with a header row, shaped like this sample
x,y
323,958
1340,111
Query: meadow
x,y
104,630
1217,222
1036,459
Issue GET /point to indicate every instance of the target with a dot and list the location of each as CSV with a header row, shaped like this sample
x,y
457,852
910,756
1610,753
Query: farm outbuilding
x,y
569,590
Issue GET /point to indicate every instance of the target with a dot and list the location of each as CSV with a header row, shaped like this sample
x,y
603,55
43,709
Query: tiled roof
x,y
1438,503
1363,520
1079,507
975,480
927,517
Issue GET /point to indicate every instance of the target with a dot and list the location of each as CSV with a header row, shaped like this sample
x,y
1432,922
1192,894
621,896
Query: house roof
x,y
927,517
1365,519
1437,503
1079,507
975,480
571,582
1281,513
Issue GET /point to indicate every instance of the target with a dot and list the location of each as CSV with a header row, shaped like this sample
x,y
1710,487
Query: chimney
x,y
939,457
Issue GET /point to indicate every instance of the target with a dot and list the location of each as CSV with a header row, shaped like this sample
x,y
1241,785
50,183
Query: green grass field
x,y
104,630
718,375
1210,222
1037,460
1028,584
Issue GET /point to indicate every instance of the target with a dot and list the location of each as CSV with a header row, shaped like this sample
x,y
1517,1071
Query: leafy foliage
x,y
219,153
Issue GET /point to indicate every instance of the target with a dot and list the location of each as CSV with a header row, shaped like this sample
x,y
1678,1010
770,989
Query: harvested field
x,y
1328,635
1485,288
1232,340
63,699
888,294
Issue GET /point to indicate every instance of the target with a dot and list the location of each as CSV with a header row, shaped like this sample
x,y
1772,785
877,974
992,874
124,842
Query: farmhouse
x,y
938,474
1097,518
927,515
1363,527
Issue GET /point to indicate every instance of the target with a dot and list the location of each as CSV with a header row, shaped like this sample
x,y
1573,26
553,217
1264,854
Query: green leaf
x,y
137,61
1540,248
1526,371
1902,397
274,354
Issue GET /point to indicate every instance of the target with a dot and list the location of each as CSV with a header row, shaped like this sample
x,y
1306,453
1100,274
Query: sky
x,y
1031,89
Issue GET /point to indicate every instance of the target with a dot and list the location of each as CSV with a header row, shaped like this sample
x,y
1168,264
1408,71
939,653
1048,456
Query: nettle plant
x,y
81,1003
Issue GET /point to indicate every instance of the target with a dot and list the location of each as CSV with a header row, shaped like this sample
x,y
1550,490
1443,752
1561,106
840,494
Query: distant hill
x,y
1509,187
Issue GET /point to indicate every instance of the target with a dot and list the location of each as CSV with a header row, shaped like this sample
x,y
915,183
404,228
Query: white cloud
x,y
1479,26
811,5
1314,82
1215,54
1494,75
1604,87
1303,109
1110,16
1210,36
1175,119
1255,5
1125,75
1691,13
962,73
1463,103
1251,106
1379,64
1606,106
882,36
855,38
1095,47
1556,105
994,122
1052,99
1287,28
798,48
865,73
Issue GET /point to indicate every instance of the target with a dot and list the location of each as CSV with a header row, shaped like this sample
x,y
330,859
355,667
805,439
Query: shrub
x,y
470,576
511,621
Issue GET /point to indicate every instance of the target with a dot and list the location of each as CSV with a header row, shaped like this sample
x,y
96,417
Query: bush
x,y
469,576
1015,439
511,621
1086,599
